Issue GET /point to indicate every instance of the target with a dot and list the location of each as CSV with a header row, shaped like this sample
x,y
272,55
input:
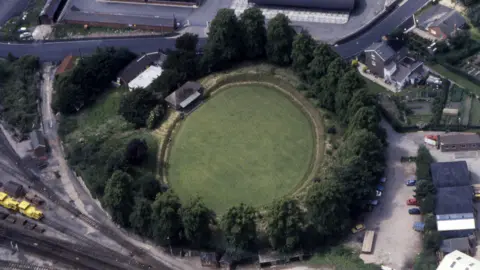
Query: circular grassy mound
x,y
247,144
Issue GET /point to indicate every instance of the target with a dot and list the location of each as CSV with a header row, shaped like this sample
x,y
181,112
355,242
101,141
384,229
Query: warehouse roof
x,y
450,174
108,18
460,139
454,203
341,5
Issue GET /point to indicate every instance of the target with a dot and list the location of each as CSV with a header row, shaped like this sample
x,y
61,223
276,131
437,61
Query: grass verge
x,y
340,258
463,82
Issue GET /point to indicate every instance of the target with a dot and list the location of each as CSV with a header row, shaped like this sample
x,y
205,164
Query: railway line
x,y
75,254
24,266
36,184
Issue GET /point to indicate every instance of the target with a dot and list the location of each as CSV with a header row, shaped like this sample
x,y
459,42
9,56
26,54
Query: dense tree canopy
x,y
347,85
302,52
91,76
322,58
166,221
285,222
136,151
252,22
239,226
187,42
224,45
140,217
279,40
196,219
423,161
365,118
136,105
118,197
147,186
167,82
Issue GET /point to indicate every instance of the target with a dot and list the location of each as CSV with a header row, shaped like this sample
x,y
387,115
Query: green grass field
x,y
246,144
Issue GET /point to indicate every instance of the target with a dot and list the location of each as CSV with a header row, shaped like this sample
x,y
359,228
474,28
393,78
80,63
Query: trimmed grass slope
x,y
246,144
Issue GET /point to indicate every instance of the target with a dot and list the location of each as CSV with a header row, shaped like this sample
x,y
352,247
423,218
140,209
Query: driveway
x,y
396,243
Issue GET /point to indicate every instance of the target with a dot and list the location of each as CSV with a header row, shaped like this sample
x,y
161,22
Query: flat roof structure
x,y
461,244
348,5
145,78
450,174
460,139
458,261
454,200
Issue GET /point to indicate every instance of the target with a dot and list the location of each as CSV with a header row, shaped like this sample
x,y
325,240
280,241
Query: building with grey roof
x,y
153,23
185,96
340,5
139,65
450,174
460,142
461,244
441,21
51,11
37,141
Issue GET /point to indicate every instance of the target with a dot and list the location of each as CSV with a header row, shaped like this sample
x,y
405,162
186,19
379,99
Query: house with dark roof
x,y
460,142
67,64
51,11
337,5
185,96
148,64
390,61
37,141
441,21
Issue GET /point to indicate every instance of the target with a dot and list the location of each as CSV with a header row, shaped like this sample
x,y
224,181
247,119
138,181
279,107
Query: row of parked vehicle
x,y
418,225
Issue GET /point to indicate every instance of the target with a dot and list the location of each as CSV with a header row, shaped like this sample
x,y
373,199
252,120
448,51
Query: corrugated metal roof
x,y
450,174
343,5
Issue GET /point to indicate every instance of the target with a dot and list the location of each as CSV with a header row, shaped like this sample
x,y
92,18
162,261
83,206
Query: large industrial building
x,y
337,5
455,213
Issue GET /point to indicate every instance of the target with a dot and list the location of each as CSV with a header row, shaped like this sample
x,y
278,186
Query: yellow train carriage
x,y
29,210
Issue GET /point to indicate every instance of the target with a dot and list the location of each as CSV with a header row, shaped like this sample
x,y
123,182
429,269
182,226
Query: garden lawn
x,y
247,144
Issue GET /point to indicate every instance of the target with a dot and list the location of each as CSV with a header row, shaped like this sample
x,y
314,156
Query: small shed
x,y
450,111
13,189
37,141
184,97
209,259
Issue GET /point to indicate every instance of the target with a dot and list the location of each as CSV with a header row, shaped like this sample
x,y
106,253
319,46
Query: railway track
x,y
74,253
24,266
37,185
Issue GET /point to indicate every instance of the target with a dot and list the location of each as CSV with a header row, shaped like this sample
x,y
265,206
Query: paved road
x,y
387,25
55,51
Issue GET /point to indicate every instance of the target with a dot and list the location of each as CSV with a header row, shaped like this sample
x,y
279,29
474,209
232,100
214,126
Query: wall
x,y
162,28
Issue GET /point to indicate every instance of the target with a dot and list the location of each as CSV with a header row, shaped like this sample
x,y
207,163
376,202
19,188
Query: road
x,y
55,51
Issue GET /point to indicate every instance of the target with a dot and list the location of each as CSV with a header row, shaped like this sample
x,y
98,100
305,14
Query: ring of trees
x,y
310,112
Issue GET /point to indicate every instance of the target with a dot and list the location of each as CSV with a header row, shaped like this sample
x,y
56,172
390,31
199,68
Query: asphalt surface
x,y
10,8
55,51
382,28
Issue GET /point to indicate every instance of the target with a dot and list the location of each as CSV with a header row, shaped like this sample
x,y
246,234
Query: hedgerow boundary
x,y
266,76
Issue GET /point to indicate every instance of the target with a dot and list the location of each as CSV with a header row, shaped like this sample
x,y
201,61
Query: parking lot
x,y
295,15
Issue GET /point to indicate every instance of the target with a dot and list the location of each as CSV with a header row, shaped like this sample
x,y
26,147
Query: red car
x,y
412,201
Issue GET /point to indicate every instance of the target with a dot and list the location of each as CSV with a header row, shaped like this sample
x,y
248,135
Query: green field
x,y
246,144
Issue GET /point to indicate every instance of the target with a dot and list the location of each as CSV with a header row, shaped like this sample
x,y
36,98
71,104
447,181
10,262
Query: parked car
x,y
414,211
358,228
378,193
419,226
380,188
410,182
383,180
412,201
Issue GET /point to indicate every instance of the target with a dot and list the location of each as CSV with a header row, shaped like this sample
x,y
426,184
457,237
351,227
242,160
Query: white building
x,y
458,261
145,78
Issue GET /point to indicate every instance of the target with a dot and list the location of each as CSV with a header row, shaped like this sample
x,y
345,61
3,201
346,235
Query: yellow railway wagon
x,y
10,204
29,210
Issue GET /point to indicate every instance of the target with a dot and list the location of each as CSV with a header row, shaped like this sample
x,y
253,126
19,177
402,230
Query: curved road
x,y
55,51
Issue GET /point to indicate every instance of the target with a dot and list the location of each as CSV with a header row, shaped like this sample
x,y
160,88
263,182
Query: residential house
x,y
142,71
390,61
184,97
37,141
460,142
440,21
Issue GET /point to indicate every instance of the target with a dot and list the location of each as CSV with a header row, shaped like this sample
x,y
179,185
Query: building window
x,y
453,147
464,146
373,63
373,56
